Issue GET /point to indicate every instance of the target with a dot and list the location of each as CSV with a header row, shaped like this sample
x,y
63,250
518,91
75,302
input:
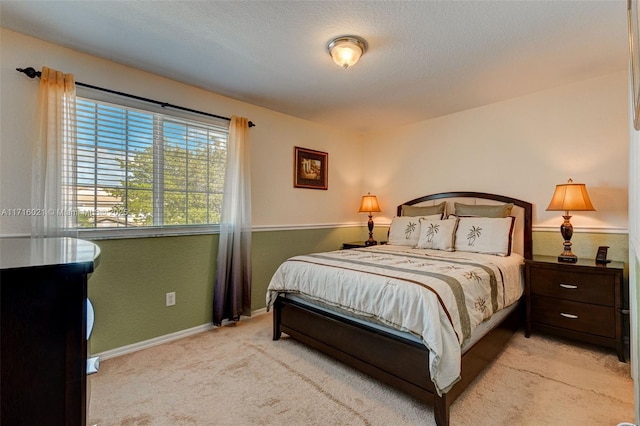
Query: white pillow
x,y
405,230
437,234
485,235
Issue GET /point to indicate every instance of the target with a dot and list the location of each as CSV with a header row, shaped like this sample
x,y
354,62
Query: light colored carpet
x,y
236,375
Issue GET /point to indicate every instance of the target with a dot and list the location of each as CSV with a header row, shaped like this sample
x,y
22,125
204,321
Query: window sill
x,y
148,232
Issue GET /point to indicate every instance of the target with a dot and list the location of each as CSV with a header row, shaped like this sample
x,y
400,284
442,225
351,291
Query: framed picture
x,y
310,168
634,53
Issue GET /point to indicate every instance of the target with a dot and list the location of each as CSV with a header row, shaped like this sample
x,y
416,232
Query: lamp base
x,y
566,229
370,241
568,258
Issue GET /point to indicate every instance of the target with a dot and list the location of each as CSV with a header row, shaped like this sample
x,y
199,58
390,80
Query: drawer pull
x,y
569,286
570,316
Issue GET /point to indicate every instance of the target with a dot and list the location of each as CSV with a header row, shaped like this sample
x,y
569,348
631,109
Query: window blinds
x,y
144,169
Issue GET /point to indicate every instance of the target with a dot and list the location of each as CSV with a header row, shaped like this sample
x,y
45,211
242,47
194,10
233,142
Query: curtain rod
x,y
32,73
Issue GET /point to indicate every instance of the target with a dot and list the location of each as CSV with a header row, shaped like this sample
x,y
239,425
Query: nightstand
x,y
581,301
357,244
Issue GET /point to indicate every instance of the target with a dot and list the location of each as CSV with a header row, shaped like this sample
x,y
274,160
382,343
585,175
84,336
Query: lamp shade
x,y
347,50
570,196
369,204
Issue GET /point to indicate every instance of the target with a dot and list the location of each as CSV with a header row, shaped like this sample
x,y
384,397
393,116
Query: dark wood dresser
x,y
580,300
43,353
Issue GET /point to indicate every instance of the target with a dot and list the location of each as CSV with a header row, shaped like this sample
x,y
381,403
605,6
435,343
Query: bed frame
x,y
401,363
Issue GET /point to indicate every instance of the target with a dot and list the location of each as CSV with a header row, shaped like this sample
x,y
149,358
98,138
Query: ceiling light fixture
x,y
347,50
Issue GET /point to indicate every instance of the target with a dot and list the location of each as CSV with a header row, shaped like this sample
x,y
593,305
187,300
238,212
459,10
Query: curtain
x,y
232,288
53,191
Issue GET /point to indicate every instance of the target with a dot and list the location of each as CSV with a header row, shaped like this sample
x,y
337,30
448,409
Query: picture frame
x,y
310,168
634,56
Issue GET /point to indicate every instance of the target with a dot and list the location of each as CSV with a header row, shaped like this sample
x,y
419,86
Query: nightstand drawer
x,y
574,285
583,317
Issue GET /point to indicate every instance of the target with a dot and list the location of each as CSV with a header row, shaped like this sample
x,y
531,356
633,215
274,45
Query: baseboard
x,y
145,344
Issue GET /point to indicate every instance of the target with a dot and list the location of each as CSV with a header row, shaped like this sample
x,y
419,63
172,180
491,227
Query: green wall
x,y
129,285
585,245
128,288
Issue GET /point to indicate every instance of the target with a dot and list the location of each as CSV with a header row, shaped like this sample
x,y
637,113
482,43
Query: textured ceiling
x,y
425,58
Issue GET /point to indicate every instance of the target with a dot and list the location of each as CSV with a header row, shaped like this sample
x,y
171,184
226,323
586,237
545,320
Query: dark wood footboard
x,y
400,363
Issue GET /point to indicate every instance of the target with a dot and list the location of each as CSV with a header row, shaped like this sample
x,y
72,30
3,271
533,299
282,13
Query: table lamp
x,y
569,196
369,204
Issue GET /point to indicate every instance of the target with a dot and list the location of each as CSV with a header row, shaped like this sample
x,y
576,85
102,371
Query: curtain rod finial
x,y
29,72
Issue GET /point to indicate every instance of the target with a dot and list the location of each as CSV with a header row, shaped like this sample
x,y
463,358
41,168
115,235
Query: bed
x,y
351,304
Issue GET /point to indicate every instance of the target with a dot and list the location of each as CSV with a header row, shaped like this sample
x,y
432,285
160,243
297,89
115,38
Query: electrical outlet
x,y
171,298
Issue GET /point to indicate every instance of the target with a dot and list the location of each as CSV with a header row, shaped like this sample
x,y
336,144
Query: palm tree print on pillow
x,y
432,230
410,229
474,232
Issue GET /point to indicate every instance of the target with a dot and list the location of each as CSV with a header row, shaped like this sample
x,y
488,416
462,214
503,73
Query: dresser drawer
x,y
575,285
576,316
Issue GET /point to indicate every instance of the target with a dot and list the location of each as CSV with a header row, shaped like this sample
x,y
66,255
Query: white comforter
x,y
438,296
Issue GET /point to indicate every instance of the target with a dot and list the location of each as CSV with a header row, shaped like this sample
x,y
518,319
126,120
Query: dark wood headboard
x,y
476,198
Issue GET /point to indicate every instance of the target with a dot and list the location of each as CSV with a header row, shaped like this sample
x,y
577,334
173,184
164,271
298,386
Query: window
x,y
140,169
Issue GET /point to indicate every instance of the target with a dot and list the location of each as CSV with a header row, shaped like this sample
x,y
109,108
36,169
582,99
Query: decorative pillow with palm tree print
x,y
437,234
485,235
405,230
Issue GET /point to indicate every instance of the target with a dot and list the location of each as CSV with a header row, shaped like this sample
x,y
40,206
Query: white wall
x,y
275,201
521,147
